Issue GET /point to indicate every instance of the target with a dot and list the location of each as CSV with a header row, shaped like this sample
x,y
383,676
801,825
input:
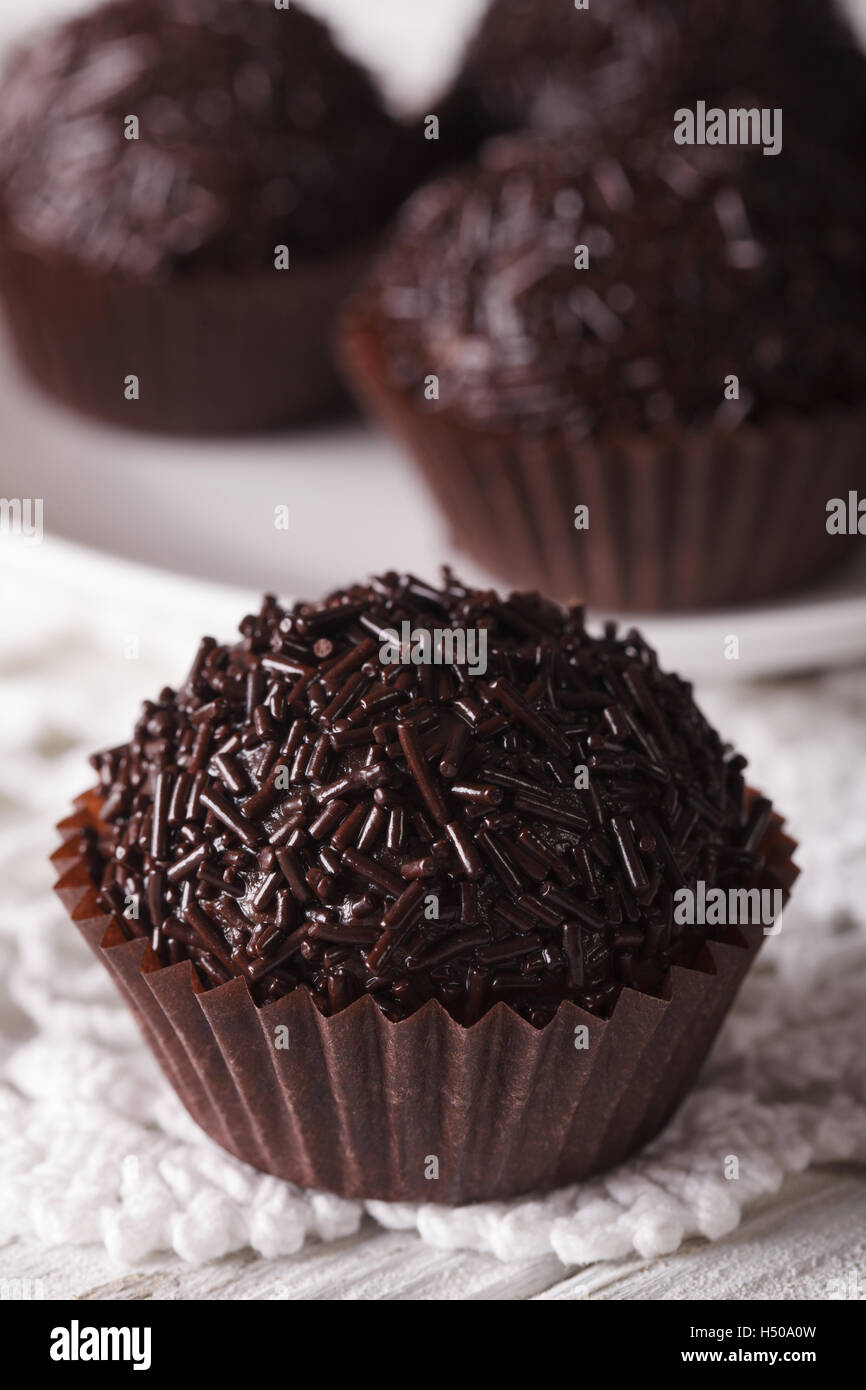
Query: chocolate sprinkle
x,y
445,853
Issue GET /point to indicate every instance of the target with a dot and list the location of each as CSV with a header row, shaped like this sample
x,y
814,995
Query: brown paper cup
x,y
423,1110
678,518
214,353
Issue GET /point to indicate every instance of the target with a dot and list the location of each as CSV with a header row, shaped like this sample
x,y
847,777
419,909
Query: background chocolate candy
x,y
699,262
252,129
614,62
632,370
188,189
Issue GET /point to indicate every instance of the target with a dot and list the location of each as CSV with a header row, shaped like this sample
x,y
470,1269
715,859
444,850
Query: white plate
x,y
355,506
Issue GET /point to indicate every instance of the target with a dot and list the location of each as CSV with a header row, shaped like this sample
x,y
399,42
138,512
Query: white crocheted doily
x,y
94,1145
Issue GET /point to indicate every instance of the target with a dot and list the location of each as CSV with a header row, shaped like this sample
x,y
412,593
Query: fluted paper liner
x,y
678,518
359,1105
214,353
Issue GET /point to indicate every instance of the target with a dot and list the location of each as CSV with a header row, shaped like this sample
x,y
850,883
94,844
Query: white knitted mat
x,y
94,1145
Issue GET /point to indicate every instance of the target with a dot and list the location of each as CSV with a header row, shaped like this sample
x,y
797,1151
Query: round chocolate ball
x,y
423,793
589,288
156,136
613,62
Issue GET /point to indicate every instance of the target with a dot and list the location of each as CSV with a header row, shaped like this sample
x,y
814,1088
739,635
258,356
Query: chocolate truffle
x,y
393,878
332,805
699,262
595,320
613,62
157,154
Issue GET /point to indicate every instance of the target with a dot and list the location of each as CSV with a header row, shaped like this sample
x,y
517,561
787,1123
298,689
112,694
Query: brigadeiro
x,y
188,188
633,371
551,64
395,878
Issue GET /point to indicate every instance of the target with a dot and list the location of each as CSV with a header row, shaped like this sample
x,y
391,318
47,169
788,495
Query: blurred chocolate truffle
x,y
669,332
187,190
547,63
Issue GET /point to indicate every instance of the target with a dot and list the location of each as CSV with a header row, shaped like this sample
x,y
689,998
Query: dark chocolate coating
x,y
545,63
703,262
304,814
254,131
